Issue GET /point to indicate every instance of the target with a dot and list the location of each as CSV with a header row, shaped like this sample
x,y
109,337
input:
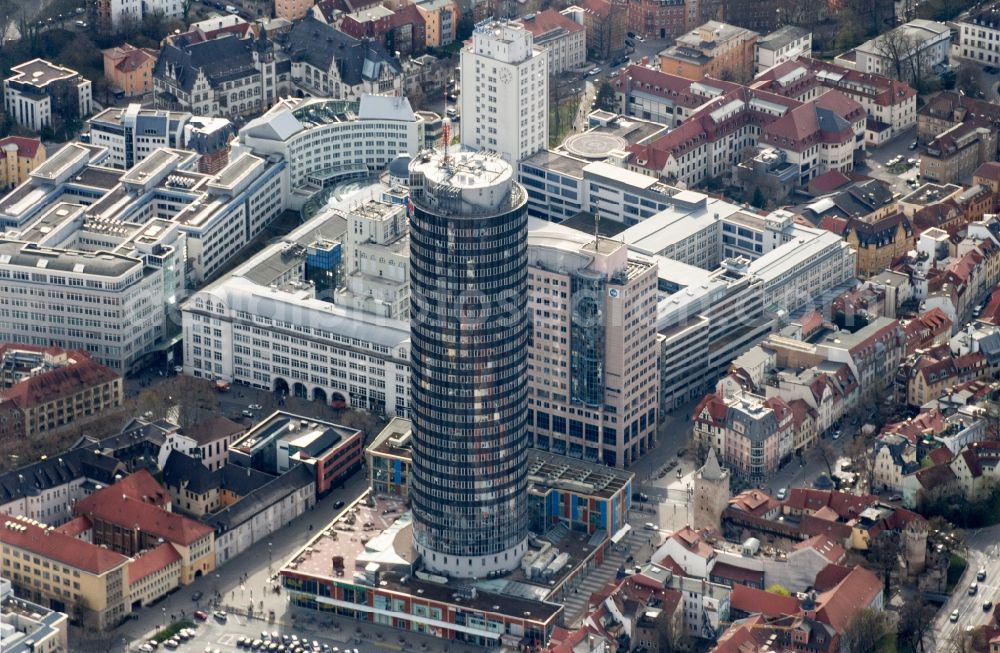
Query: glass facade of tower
x,y
469,345
587,338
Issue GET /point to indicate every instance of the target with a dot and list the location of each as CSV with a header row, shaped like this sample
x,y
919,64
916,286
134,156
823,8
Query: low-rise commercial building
x,y
133,133
912,52
27,627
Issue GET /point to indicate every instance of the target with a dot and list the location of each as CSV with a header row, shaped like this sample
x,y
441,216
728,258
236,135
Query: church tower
x,y
711,493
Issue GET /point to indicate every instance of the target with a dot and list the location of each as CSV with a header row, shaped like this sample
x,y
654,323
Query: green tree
x,y
605,100
779,590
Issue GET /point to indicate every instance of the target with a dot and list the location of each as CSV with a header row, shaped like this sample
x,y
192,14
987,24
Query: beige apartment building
x,y
292,10
55,570
593,384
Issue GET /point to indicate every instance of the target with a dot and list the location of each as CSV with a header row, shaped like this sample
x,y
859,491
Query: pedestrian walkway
x,y
577,604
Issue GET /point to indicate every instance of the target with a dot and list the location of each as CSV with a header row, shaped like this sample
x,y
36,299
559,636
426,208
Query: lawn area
x,y
172,630
956,567
562,117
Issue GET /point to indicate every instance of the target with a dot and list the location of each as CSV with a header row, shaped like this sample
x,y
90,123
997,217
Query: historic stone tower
x,y
711,493
915,546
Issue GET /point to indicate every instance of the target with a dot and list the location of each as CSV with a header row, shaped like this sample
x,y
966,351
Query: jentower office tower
x,y
469,347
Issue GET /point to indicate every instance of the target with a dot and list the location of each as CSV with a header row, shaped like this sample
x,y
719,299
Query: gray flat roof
x,y
28,255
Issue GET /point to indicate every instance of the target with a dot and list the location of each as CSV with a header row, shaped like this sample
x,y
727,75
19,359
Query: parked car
x,y
200,615
782,493
255,407
197,596
339,503
896,497
220,616
913,145
247,413
991,70
681,452
649,526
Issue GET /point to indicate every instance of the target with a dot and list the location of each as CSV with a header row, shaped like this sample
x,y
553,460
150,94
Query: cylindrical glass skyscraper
x,y
469,348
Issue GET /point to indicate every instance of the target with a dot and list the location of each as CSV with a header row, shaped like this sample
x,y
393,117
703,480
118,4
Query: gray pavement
x,y
983,550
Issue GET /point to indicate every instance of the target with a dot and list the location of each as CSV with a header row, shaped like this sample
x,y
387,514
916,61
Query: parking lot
x,y
895,163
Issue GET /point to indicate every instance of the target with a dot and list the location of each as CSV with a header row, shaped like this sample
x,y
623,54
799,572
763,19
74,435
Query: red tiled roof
x,y
60,547
857,590
549,20
60,382
109,505
828,182
152,561
755,601
829,576
940,455
935,476
754,502
142,486
406,15
988,170
26,148
600,8
738,575
692,541
128,57
823,545
75,526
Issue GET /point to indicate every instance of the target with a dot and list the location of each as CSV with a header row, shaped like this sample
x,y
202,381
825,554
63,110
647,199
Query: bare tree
x,y
896,47
967,78
916,621
865,632
828,455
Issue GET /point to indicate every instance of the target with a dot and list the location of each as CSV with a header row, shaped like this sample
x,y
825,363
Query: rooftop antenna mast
x,y
446,129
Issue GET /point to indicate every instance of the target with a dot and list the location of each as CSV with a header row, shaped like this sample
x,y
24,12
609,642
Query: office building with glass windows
x,y
469,350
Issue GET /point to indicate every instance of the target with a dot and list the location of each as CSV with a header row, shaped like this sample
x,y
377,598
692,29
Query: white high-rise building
x,y
505,92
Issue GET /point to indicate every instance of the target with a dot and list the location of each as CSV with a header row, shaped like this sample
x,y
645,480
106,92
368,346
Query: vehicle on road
x,y
954,616
782,493
681,452
987,605
631,35
255,407
896,497
200,615
836,435
973,589
649,526
981,574
197,596
247,413
338,504
913,145
991,70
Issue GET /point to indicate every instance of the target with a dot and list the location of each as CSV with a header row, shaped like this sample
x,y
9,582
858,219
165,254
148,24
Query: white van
x,y
231,9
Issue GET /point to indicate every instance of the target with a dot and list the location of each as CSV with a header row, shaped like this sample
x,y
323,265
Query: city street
x,y
254,567
983,552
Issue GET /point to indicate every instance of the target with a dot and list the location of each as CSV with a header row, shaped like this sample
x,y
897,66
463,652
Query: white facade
x,y
325,139
234,541
376,261
30,92
565,43
109,305
505,92
134,133
134,11
781,45
919,46
287,340
979,35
